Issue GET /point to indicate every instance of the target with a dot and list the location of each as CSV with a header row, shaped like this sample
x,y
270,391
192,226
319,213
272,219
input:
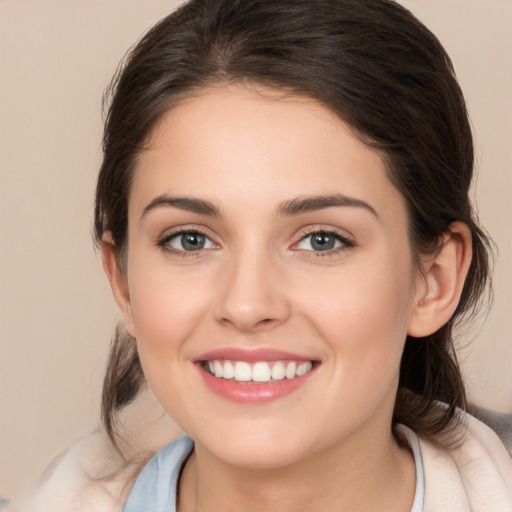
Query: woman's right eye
x,y
186,241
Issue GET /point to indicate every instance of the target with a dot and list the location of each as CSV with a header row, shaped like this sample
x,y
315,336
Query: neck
x,y
371,474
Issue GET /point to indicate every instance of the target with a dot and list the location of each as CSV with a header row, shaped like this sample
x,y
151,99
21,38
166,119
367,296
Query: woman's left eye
x,y
323,241
187,241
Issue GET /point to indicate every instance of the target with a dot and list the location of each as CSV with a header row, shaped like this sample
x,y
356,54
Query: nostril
x,y
247,325
266,321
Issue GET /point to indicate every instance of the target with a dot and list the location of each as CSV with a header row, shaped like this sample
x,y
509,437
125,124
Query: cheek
x,y
166,307
167,310
362,311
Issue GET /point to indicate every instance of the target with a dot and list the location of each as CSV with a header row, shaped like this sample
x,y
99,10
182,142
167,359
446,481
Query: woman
x,y
284,219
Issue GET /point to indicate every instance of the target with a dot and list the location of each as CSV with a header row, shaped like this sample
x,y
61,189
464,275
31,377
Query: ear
x,y
118,281
443,280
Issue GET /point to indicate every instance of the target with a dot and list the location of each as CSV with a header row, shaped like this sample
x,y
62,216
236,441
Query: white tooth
x,y
304,368
228,372
291,369
261,372
278,371
242,371
211,367
217,368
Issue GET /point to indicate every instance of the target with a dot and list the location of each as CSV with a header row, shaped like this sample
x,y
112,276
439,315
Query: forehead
x,y
239,145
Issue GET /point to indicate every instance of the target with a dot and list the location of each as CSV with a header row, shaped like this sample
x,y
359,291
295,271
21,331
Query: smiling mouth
x,y
260,371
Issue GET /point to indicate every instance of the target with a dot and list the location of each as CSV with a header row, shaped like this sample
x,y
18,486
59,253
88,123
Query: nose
x,y
252,295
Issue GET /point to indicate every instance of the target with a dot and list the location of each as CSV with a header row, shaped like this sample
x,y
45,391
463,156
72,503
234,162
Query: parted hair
x,y
373,64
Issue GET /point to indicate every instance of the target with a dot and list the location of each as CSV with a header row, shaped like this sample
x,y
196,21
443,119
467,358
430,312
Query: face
x,y
269,277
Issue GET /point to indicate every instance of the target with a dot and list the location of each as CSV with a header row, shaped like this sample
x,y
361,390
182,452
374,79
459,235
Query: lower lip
x,y
253,392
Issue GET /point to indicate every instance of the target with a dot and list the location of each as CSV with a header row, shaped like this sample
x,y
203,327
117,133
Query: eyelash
x,y
163,243
346,243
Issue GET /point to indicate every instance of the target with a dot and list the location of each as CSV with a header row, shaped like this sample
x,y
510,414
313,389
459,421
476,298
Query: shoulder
x,y
93,474
475,475
90,475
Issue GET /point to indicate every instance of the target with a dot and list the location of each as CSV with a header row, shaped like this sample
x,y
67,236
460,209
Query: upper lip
x,y
251,355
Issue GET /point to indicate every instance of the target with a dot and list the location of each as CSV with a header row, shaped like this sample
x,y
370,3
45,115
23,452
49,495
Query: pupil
x,y
192,241
322,242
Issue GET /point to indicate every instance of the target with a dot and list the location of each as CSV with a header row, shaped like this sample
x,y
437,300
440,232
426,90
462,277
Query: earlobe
x,y
443,280
118,281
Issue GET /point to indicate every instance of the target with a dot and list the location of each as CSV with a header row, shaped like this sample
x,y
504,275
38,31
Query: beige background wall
x,y
56,313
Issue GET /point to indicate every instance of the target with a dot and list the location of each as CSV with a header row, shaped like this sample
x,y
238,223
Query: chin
x,y
261,457
258,448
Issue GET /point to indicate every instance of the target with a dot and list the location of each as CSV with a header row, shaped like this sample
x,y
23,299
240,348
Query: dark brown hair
x,y
382,72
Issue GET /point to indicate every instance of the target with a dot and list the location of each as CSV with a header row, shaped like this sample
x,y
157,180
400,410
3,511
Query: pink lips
x,y
251,356
252,392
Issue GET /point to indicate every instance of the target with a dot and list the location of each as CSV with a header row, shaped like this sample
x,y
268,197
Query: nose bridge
x,y
251,294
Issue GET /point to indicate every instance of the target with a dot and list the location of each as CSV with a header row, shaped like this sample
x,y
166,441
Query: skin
x,y
258,284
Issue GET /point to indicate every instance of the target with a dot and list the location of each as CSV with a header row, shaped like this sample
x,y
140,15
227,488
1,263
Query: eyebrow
x,y
296,206
313,203
201,206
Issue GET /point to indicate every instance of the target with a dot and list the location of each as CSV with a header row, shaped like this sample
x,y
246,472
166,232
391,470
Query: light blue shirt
x,y
156,487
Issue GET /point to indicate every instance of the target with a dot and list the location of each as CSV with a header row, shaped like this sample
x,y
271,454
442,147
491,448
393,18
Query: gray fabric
x,y
3,502
501,423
